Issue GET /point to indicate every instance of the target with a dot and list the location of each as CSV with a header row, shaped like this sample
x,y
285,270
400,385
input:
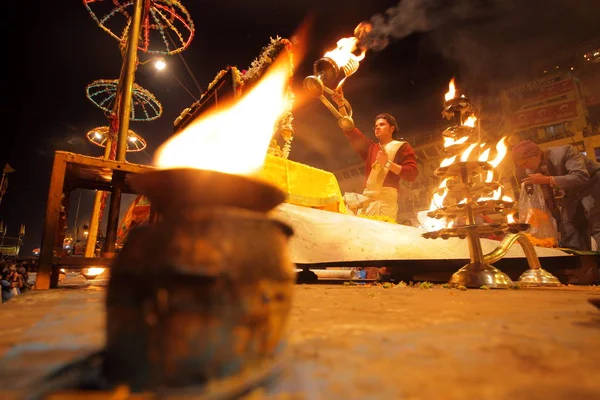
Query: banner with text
x,y
531,95
545,115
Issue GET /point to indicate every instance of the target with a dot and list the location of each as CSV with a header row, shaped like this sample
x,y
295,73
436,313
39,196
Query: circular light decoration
x,y
166,28
144,106
99,135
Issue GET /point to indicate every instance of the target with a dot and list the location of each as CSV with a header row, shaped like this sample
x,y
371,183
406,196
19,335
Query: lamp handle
x,y
346,108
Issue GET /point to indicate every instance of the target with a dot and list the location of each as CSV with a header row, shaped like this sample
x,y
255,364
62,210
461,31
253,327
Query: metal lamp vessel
x,y
463,184
327,74
213,283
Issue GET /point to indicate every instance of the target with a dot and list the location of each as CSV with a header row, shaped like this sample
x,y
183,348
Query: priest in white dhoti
x,y
388,161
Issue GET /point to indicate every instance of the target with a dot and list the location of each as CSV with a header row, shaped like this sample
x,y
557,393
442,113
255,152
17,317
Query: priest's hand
x,y
338,97
539,179
382,157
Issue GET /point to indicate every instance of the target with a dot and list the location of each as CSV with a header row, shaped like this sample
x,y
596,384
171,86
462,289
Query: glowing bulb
x,y
160,64
98,135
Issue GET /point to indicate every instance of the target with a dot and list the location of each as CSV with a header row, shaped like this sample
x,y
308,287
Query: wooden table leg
x,y
55,193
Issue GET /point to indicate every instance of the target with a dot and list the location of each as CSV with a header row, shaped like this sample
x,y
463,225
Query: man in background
x,y
564,168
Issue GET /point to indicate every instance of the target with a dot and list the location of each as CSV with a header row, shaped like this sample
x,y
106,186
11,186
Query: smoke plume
x,y
414,16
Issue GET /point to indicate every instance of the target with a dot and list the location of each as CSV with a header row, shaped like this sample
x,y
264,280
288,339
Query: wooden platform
x,y
324,237
72,171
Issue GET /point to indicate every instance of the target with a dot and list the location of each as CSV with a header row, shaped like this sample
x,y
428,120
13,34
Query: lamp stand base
x,y
476,275
538,277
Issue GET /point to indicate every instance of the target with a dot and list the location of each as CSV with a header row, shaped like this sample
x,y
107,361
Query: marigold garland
x,y
382,218
214,82
257,68
238,81
244,80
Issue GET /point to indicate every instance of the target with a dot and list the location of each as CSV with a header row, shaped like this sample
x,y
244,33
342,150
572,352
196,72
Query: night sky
x,y
53,52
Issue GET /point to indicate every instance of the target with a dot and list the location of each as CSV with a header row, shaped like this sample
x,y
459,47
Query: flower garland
x,y
255,72
214,81
237,87
382,218
244,80
238,82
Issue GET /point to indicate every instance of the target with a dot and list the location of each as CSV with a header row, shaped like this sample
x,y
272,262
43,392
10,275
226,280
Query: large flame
x,y
345,57
344,52
451,93
232,140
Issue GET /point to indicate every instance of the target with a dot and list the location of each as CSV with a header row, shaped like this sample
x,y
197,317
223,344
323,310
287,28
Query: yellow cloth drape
x,y
304,185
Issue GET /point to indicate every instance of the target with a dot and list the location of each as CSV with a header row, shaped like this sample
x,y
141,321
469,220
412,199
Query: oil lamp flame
x,y
437,200
345,57
501,151
510,218
233,140
451,93
447,161
448,141
495,195
485,155
439,195
444,183
362,30
433,224
465,155
470,122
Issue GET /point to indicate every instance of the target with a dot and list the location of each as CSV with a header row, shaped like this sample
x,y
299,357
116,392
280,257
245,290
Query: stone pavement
x,y
365,342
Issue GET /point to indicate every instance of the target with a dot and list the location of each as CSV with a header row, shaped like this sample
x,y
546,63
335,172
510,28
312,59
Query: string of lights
x,y
100,135
160,17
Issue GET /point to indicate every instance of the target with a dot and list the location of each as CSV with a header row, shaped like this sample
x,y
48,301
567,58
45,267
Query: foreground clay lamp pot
x,y
205,292
203,295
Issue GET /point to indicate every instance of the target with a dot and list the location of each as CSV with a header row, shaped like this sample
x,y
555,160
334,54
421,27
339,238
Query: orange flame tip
x,y
451,93
233,139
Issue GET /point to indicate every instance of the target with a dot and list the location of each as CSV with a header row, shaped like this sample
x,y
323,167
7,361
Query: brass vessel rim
x,y
172,189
